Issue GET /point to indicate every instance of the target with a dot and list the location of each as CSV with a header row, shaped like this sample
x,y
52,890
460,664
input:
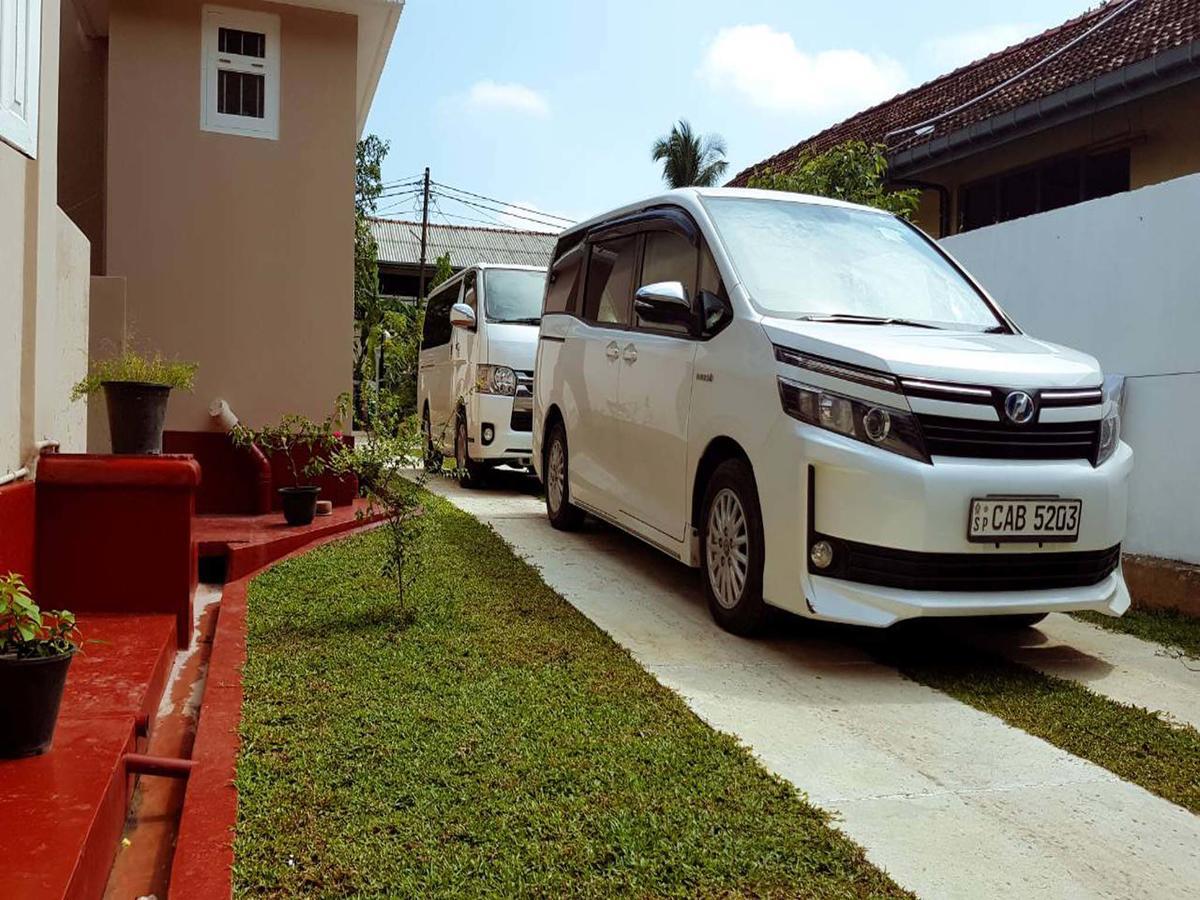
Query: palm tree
x,y
690,159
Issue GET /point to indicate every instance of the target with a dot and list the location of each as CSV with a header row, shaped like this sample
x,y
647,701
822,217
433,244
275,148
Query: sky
x,y
551,106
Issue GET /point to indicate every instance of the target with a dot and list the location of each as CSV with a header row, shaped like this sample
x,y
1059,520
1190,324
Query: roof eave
x,y
1156,73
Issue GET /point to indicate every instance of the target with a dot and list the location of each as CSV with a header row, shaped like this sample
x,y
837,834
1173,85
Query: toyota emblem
x,y
1018,406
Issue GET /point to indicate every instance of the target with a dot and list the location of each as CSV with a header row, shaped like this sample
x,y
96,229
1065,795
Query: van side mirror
x,y
665,303
462,316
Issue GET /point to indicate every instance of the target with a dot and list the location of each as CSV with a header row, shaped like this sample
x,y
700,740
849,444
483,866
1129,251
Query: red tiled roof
x,y
1147,28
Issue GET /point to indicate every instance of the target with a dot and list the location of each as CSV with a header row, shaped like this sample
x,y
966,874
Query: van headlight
x,y
1110,425
880,426
495,380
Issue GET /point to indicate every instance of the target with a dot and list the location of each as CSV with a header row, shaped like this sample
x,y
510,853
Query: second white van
x,y
475,379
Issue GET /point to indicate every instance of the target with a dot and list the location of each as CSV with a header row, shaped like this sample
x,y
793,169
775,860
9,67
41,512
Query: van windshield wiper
x,y
853,319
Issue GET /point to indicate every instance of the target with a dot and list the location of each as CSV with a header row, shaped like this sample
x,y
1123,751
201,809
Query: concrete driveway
x,y
949,800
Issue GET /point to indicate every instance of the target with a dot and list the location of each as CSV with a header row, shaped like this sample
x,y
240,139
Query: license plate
x,y
1024,519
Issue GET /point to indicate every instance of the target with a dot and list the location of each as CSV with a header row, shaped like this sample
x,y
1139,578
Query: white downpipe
x,y
23,472
223,415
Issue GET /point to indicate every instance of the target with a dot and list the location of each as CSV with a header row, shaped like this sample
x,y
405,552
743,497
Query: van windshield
x,y
514,295
807,260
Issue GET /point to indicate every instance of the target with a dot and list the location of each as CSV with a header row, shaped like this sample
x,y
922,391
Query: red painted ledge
x,y
202,867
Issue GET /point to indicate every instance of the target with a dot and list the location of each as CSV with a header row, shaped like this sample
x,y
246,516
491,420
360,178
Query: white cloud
x,y
954,50
507,96
770,71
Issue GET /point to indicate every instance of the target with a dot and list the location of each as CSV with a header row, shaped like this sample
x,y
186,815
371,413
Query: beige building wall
x,y
43,286
1162,132
236,251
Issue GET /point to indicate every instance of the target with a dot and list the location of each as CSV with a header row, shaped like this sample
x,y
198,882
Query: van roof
x,y
689,197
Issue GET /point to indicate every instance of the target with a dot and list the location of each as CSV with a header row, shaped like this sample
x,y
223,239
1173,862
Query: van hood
x,y
966,357
514,346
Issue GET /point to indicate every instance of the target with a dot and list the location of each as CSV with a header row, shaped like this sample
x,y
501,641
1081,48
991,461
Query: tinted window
x,y
609,292
514,295
1107,173
437,318
669,257
563,282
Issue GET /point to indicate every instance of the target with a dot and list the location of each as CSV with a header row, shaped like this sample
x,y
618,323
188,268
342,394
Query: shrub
x,y
293,431
131,365
27,632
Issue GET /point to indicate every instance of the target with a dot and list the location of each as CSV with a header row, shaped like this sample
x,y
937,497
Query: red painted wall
x,y
114,534
17,504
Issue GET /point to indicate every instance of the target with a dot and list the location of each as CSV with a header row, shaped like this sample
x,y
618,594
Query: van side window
x,y
437,318
668,257
469,296
563,282
609,292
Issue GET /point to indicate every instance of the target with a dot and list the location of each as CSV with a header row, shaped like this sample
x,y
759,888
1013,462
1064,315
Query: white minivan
x,y
475,376
813,403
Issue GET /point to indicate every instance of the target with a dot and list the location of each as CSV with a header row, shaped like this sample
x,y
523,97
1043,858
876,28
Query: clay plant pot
x,y
136,413
299,503
30,693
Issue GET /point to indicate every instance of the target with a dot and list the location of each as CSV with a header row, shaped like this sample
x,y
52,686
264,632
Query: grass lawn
x,y
1131,742
499,745
1163,626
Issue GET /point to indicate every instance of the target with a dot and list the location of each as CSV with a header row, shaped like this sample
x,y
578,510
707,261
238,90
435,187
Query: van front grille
x,y
996,440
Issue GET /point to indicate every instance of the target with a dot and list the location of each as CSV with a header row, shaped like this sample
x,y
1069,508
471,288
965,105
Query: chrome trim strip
x,y
963,393
1085,397
835,369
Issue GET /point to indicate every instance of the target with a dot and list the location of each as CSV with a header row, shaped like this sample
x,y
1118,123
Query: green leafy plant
x,y
133,365
25,631
293,432
854,171
689,158
384,465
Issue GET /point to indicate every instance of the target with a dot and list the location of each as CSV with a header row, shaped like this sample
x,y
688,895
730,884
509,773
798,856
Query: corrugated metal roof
x,y
400,244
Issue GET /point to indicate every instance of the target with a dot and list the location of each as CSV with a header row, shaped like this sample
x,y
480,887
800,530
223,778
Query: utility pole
x,y
424,239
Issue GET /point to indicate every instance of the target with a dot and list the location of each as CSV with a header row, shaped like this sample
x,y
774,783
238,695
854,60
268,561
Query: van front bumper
x,y
510,421
898,528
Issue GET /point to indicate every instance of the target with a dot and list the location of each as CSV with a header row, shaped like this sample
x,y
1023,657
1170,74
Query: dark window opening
x,y
563,281
608,296
243,43
437,318
1049,185
241,94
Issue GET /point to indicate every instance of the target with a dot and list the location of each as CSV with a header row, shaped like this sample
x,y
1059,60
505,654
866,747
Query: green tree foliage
x,y
369,310
854,171
690,159
441,271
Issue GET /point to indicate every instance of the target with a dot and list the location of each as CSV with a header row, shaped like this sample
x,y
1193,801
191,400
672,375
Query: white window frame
x,y
20,68
213,18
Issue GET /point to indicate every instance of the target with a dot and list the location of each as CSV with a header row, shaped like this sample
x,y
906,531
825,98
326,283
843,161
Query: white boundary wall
x,y
1120,278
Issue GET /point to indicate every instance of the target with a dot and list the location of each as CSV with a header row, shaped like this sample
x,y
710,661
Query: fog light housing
x,y
821,554
877,424
487,433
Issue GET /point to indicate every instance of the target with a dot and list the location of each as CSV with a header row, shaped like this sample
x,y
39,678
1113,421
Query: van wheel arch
x,y
718,450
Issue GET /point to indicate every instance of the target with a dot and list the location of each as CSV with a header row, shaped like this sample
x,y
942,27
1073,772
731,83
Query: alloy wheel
x,y
556,475
727,548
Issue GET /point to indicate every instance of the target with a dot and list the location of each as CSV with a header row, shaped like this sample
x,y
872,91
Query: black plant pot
x,y
300,503
30,692
136,412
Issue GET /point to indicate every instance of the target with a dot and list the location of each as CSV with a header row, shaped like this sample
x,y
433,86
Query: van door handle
x,y
612,351
630,354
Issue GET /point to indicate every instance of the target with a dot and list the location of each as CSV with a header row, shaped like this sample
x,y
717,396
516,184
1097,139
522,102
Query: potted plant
x,y
136,386
292,434
35,651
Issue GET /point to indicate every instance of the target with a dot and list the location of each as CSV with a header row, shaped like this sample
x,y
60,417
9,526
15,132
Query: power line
x,y
506,204
555,225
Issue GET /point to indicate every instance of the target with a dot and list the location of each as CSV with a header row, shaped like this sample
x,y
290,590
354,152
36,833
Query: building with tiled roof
x,y
1102,103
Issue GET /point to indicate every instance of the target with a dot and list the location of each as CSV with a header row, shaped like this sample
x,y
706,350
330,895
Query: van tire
x,y
731,518
469,474
433,456
565,516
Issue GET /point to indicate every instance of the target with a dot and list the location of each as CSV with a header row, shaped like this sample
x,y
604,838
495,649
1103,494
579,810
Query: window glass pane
x,y
1060,183
514,295
240,94
668,257
563,290
979,205
1018,195
609,292
243,43
437,318
798,259
1107,174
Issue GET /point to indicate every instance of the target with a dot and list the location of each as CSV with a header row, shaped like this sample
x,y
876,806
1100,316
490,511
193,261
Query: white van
x,y
813,403
475,379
